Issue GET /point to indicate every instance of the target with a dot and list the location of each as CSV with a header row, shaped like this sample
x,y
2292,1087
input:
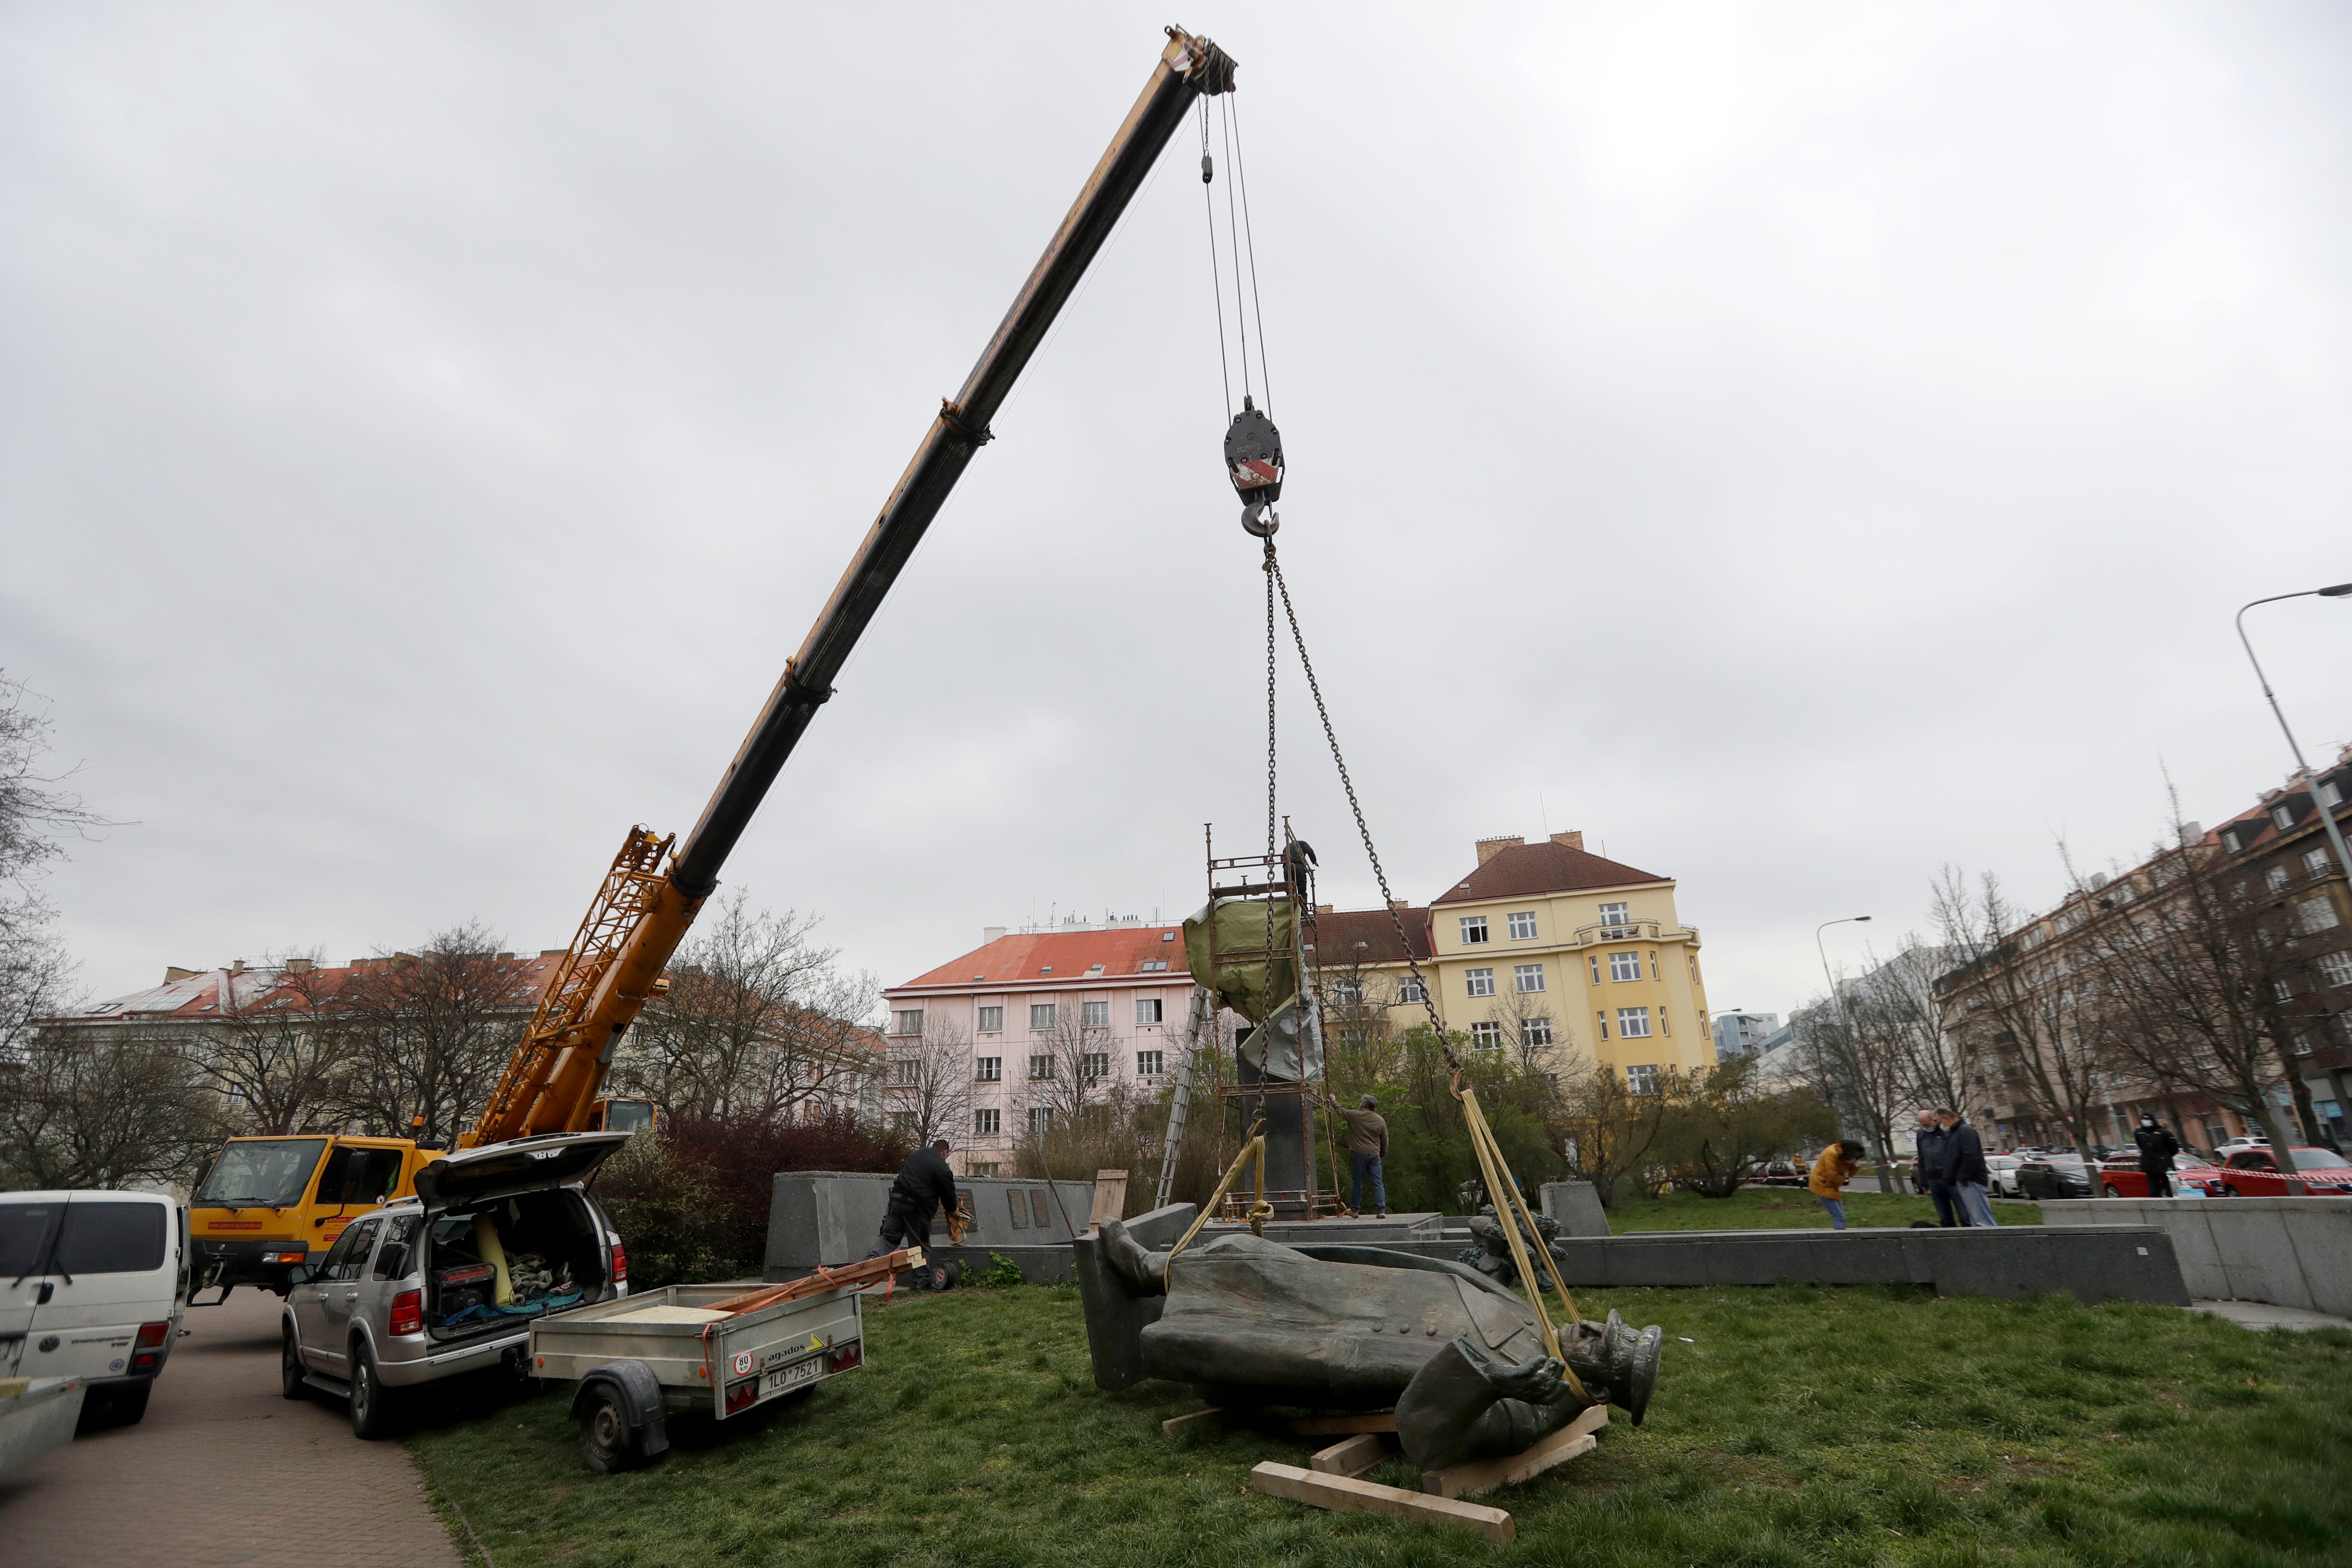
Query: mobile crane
x,y
656,886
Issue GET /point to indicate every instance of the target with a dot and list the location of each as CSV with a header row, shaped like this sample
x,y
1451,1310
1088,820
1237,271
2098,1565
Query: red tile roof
x,y
1523,870
1069,955
198,997
1337,932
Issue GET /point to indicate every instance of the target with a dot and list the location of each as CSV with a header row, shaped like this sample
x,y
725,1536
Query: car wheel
x,y
130,1404
2228,1191
2107,1189
371,1401
290,1369
607,1442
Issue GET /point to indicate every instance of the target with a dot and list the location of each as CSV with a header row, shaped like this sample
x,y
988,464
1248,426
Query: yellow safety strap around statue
x,y
1510,1212
1252,1148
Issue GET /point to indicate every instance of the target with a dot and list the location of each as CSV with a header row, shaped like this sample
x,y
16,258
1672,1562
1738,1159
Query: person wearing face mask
x,y
2156,1148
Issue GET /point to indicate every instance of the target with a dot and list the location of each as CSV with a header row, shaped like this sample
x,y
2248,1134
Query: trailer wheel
x,y
607,1442
951,1275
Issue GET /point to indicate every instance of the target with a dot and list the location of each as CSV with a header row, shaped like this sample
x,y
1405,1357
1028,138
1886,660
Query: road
x,y
224,1470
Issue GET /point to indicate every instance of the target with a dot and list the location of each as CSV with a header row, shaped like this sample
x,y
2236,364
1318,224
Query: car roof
x,y
62,1195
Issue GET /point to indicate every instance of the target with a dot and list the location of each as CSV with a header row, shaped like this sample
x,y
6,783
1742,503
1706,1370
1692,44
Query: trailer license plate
x,y
785,1377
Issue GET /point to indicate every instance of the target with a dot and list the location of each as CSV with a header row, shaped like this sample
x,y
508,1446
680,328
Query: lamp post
x,y
1843,1017
2327,812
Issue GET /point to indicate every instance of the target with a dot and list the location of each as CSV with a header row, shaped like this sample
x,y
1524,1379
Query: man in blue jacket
x,y
1963,1163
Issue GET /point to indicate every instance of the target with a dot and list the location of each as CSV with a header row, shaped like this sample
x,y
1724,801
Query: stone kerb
x,y
2289,1252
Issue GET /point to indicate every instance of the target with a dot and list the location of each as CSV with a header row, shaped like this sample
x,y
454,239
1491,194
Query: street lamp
x,y
2319,804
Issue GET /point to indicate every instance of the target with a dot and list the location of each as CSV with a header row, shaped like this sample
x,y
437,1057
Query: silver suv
x,y
450,1280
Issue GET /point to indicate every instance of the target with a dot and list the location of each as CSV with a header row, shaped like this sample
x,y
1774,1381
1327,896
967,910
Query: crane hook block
x,y
1208,170
1253,462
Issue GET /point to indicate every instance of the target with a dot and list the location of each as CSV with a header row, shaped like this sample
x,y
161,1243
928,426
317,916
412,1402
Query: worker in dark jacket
x,y
1963,1162
924,1183
1935,1151
2156,1148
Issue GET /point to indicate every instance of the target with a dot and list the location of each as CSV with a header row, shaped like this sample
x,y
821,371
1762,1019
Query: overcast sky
x,y
1799,446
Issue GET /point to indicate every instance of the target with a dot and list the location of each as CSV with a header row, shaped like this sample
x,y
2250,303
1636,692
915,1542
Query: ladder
x,y
1202,1016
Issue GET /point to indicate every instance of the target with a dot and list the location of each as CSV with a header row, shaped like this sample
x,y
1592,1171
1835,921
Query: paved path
x,y
224,1471
2263,1315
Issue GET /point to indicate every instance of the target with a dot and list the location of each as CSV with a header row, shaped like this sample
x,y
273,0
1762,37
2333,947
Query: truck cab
x,y
271,1204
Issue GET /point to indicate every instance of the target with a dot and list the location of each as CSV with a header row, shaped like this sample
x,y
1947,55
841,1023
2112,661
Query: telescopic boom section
x,y
642,911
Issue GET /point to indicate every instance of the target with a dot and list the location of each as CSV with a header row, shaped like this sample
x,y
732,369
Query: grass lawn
x,y
1784,1208
1797,1425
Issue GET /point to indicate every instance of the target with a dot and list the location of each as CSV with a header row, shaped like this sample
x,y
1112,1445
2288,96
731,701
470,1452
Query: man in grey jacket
x,y
1368,1145
1963,1162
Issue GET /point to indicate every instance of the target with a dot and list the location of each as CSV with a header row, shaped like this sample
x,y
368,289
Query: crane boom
x,y
643,908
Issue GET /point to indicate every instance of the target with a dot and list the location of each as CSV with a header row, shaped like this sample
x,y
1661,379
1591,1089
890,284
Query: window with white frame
x,y
1474,927
1527,976
1654,966
1523,925
1347,992
1643,1079
986,1121
1615,914
1486,1034
905,1070
2281,990
2282,814
2315,862
1040,1016
1147,1009
1041,1117
1094,1064
1536,1032
987,1069
1480,981
909,1022
1634,1023
2331,793
1041,1066
1409,990
982,1168
2276,879
2336,968
992,1020
1152,967
902,1123
1594,959
1624,966
1094,1014
1601,1021
1148,1064
2317,914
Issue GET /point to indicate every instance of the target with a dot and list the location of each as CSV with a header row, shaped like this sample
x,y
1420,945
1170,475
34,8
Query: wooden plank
x,y
1185,1423
1111,1197
1348,1494
1486,1475
1342,1425
1350,1456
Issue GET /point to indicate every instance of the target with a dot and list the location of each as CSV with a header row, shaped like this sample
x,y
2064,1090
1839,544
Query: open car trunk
x,y
492,1265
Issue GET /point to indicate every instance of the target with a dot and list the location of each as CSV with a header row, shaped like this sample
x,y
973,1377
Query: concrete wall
x,y
1577,1208
2101,1263
2290,1252
834,1217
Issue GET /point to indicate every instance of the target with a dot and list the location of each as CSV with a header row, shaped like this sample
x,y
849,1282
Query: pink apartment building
x,y
1118,995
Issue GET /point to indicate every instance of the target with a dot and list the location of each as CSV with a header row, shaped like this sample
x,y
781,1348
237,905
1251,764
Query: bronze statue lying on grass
x,y
1254,1324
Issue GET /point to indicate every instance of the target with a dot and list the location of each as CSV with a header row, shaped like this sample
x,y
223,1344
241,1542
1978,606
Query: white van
x,y
93,1284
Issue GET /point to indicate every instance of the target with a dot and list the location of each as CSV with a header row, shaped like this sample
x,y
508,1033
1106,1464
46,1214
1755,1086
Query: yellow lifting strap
x,y
1252,1148
1511,1214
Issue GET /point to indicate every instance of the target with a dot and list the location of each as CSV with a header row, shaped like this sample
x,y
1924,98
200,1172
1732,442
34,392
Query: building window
x,y
1147,1009
904,1071
909,1022
982,1168
1654,966
2331,793
1624,966
2315,862
1148,1064
1604,1020
1041,1066
2317,914
1041,1117
1481,980
1615,914
2282,814
1040,1016
1634,1023
1692,959
1474,927
1594,959
2336,968
1094,1064
902,1123
2275,879
986,1123
1152,967
1643,1079
1523,925
1486,1034
988,1069
992,1020
1347,992
1411,990
2281,990
1536,1032
1527,976
1094,1014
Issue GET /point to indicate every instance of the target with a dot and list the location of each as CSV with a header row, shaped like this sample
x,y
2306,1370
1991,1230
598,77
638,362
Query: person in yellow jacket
x,y
1831,1171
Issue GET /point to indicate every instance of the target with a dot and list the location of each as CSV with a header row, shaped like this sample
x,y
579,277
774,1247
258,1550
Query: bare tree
x,y
1608,1129
1072,1093
2026,1012
929,1093
759,1022
1357,1033
104,1108
1524,1021
35,807
285,1057
430,1033
1859,1068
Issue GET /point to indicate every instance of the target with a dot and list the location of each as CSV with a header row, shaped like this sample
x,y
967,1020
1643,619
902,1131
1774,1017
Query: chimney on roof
x,y
1574,838
1490,848
991,933
173,971
1400,905
1325,908
238,968
297,966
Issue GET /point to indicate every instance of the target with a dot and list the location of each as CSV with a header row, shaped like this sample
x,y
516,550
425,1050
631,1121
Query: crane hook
x,y
1254,463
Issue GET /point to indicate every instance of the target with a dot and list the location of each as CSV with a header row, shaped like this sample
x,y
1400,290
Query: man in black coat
x,y
1934,1147
2156,1148
924,1183
1964,1166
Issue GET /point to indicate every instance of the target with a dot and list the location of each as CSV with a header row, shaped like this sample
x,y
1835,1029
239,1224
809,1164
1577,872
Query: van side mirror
x,y
300,1274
